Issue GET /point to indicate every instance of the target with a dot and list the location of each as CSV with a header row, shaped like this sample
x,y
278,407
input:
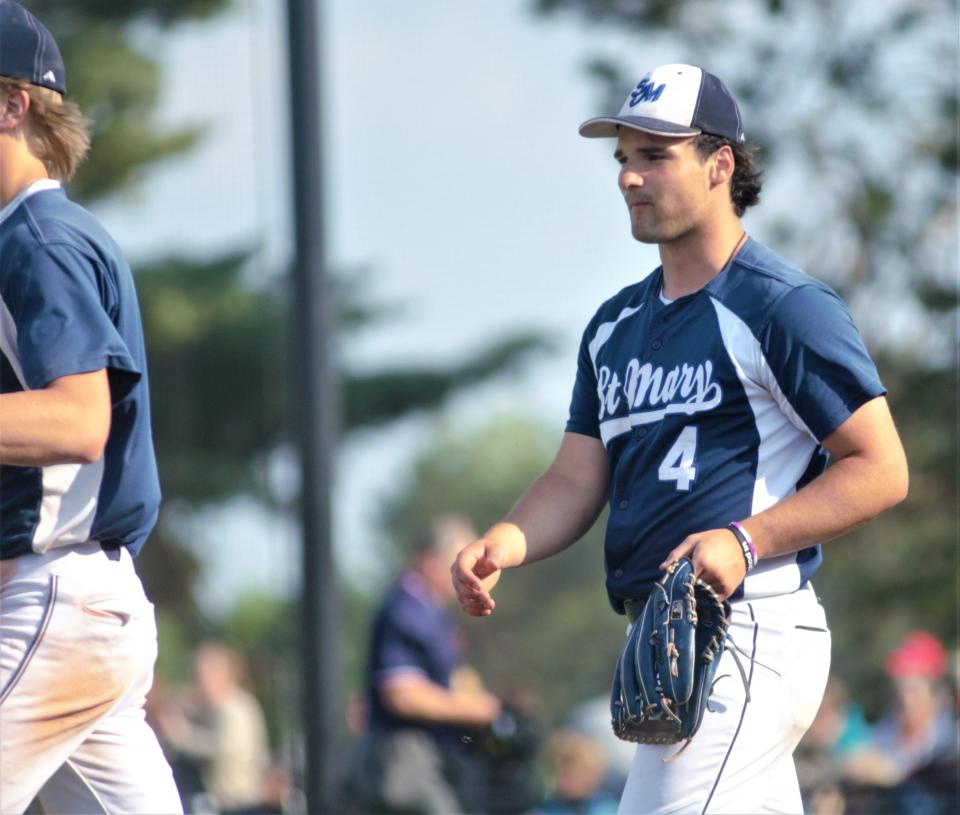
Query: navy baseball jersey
x,y
68,306
412,634
712,408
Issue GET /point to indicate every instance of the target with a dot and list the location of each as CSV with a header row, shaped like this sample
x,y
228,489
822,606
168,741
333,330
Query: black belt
x,y
634,607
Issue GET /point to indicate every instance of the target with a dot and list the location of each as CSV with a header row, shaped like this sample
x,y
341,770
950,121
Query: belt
x,y
633,607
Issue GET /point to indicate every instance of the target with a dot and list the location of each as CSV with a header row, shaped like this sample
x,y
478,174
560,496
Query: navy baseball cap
x,y
674,100
28,51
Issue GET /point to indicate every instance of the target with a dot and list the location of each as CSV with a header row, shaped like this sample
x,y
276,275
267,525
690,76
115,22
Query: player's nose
x,y
629,179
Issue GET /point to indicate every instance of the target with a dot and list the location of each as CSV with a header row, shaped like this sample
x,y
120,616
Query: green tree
x,y
218,347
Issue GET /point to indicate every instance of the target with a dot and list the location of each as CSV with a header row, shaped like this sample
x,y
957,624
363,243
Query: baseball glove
x,y
664,674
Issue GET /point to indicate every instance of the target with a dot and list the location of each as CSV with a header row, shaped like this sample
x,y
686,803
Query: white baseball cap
x,y
674,100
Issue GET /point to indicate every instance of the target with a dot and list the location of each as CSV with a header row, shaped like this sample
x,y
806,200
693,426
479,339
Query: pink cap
x,y
920,654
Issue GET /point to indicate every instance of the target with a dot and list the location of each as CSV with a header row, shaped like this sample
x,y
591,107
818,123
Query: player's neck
x,y
693,260
18,170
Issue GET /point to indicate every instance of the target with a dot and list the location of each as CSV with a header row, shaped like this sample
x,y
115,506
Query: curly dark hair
x,y
747,177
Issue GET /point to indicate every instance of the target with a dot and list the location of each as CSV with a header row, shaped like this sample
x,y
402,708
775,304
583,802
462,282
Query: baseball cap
x,y
920,654
27,50
674,100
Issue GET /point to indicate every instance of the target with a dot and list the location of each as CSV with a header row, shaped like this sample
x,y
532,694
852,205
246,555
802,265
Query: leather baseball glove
x,y
665,673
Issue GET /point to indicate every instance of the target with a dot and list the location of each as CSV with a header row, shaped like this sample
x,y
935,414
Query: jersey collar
x,y
25,193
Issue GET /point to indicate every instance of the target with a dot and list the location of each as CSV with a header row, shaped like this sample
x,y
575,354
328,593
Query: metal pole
x,y
316,409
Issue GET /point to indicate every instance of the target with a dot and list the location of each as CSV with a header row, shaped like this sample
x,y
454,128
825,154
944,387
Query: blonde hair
x,y
57,132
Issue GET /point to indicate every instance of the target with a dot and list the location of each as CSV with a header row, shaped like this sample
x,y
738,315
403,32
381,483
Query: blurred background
x,y
470,235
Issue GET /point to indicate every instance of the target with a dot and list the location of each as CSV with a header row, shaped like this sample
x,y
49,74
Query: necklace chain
x,y
736,246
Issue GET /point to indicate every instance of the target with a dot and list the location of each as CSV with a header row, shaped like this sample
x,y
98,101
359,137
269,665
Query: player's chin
x,y
643,232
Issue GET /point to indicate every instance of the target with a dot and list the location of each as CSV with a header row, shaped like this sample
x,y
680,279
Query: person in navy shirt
x,y
707,400
79,491
418,706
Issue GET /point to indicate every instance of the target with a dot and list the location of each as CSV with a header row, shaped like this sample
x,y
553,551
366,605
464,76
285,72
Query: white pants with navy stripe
x,y
78,642
741,759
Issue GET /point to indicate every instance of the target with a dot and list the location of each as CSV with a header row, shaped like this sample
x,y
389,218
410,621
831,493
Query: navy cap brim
x,y
605,127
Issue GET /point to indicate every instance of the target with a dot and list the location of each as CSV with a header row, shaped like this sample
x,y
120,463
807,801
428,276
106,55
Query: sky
x,y
454,174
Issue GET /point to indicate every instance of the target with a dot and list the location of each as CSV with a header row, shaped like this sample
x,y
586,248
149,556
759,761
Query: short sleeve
x,y
818,359
585,404
400,651
62,319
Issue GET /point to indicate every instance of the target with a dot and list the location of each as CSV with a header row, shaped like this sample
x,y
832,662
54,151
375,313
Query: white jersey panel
x,y
605,331
8,342
68,503
785,449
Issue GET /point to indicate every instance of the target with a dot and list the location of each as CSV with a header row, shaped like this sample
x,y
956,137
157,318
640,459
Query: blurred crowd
x,y
907,761
214,734
503,759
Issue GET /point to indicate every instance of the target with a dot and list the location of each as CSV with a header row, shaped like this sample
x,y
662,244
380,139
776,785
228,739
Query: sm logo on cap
x,y
646,91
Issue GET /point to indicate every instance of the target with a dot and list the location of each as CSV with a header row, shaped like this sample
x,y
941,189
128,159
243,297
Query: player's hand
x,y
475,572
717,559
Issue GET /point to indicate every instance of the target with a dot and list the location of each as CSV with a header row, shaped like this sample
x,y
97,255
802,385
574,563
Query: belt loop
x,y
111,550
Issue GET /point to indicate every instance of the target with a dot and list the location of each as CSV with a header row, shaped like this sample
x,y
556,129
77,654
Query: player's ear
x,y
722,165
14,105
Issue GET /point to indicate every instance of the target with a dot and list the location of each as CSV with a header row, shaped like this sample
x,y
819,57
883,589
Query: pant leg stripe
x,y
743,712
35,644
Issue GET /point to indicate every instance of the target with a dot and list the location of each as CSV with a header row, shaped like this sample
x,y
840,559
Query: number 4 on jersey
x,y
678,465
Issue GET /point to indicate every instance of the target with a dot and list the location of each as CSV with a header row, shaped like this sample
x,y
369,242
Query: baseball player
x,y
78,480
707,399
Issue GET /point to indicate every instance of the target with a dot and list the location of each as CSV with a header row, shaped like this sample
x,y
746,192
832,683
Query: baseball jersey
x,y
712,408
68,306
412,634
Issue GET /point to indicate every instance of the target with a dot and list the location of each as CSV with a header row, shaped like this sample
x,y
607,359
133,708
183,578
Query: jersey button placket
x,y
656,345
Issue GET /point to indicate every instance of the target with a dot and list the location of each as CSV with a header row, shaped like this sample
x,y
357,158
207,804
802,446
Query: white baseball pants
x,y
78,642
741,759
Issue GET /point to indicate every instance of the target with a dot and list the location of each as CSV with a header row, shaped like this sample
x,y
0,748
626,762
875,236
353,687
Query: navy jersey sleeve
x,y
585,404
818,359
63,320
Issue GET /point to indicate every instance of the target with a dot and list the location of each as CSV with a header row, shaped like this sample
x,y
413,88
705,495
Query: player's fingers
x,y
478,607
683,550
464,571
486,566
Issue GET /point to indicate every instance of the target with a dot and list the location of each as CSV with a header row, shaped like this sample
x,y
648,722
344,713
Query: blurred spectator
x,y
578,770
839,729
417,713
840,726
910,763
921,728
222,727
592,717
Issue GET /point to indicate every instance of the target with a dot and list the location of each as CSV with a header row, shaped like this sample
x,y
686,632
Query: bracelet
x,y
746,544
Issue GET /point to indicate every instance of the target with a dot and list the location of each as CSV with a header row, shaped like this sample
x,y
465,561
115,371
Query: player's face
x,y
665,185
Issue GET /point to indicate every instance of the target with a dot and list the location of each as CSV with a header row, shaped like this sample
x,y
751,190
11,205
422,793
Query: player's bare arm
x,y
556,511
65,423
868,475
